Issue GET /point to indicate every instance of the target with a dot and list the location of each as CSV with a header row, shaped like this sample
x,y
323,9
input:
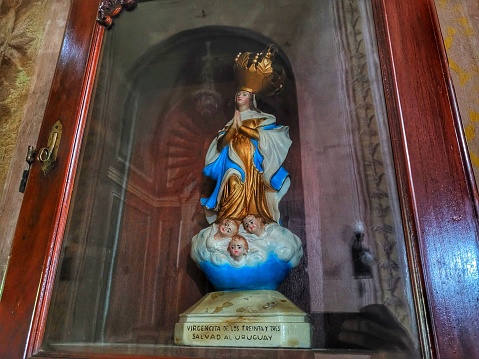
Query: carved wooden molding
x,y
109,9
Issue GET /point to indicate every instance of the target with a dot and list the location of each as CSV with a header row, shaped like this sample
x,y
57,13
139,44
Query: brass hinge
x,y
30,158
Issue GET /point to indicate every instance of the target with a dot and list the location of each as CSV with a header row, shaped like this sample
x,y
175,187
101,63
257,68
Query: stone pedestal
x,y
257,318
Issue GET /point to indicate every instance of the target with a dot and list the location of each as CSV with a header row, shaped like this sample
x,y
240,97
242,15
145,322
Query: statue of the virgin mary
x,y
245,252
245,158
245,161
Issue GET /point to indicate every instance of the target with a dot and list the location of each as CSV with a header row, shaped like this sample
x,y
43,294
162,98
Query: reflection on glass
x,y
164,88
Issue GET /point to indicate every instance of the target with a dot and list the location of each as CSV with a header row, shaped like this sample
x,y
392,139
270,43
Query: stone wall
x,y
459,21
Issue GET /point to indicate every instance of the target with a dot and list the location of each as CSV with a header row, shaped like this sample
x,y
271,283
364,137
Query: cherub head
x,y
253,224
238,247
227,228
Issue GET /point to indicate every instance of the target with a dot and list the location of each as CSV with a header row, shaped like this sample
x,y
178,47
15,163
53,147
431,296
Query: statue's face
x,y
236,249
228,228
253,225
243,98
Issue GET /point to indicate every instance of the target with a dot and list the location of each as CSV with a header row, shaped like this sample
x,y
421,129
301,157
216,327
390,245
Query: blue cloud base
x,y
265,275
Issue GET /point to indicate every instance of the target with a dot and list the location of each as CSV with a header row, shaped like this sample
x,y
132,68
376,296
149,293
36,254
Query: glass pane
x,y
165,88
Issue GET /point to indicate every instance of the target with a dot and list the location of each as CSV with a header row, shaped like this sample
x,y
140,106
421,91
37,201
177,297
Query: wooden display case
x,y
100,265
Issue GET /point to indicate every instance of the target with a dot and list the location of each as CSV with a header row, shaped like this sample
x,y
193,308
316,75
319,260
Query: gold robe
x,y
242,198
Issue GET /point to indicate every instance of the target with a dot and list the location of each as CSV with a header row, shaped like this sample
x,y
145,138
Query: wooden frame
x,y
436,187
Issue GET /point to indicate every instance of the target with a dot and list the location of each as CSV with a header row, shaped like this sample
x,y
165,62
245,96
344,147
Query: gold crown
x,y
256,74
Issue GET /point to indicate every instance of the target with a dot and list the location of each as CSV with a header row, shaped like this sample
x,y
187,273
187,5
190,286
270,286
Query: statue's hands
x,y
237,120
376,328
230,132
244,130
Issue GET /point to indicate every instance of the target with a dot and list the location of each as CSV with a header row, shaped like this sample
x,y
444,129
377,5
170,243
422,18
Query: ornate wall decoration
x,y
109,9
372,184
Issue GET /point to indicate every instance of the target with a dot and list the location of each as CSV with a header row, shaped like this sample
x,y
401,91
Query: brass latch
x,y
48,155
